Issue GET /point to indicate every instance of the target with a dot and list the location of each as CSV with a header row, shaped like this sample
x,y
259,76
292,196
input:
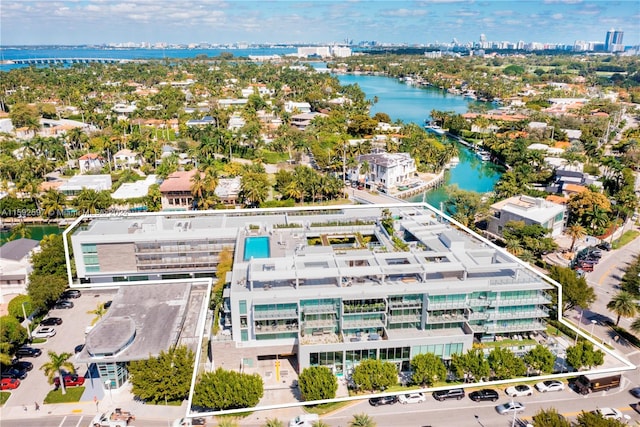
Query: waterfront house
x,y
15,266
77,183
126,158
134,191
228,190
297,107
91,162
530,210
176,191
301,121
385,170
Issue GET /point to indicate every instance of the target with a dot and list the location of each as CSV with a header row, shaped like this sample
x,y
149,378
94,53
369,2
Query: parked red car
x,y
69,381
9,384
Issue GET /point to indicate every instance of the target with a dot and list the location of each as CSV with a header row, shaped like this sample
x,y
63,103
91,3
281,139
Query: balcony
x,y
532,326
448,305
208,260
319,323
271,329
404,318
364,308
319,309
362,323
446,318
496,315
478,315
539,299
481,302
405,304
275,314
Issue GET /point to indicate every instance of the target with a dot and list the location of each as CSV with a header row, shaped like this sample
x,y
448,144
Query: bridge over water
x,y
38,61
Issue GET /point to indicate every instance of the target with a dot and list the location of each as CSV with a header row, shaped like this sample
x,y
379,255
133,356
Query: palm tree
x,y
597,217
55,365
99,312
53,203
635,325
362,420
623,304
20,231
273,422
576,232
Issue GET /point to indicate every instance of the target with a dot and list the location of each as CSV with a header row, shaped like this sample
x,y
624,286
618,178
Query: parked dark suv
x,y
386,400
11,372
28,352
456,393
70,293
484,395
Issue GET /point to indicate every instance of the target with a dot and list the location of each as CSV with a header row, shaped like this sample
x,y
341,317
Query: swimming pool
x,y
256,247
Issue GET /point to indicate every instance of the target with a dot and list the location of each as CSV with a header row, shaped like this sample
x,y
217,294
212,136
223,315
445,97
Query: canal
x,y
36,232
414,104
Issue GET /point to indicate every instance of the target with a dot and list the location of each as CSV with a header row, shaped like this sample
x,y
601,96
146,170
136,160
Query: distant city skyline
x,y
28,22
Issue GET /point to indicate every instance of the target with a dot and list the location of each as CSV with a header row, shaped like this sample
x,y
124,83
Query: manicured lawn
x,y
73,395
4,396
627,237
510,343
326,408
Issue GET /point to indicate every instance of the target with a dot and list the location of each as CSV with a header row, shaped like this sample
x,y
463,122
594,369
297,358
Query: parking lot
x,y
69,334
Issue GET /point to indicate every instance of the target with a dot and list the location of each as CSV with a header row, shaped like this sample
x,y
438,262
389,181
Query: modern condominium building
x,y
328,286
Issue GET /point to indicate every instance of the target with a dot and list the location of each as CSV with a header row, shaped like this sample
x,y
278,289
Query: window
x,y
243,307
89,249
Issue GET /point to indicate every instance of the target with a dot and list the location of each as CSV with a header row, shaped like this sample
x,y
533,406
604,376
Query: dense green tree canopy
x,y
427,369
504,364
583,354
375,375
163,378
471,366
15,307
549,418
317,383
11,331
540,359
575,290
222,389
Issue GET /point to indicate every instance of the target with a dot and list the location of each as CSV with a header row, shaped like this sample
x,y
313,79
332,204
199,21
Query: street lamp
x,y
24,313
593,324
107,384
579,323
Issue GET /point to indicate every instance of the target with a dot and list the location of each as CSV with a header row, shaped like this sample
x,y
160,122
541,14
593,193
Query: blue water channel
x,y
414,104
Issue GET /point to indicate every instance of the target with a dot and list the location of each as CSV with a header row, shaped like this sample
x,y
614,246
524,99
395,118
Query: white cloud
x,y
403,12
557,16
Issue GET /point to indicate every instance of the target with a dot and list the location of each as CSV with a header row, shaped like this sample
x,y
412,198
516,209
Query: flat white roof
x,y
133,190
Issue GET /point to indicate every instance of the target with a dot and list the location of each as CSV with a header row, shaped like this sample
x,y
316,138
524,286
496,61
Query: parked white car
x,y
412,398
519,390
44,332
609,413
551,385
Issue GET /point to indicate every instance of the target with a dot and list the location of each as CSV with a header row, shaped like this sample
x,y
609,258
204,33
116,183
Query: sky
x,y
72,22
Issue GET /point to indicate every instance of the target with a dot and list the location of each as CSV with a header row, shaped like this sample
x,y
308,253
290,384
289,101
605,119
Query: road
x,y
461,413
605,279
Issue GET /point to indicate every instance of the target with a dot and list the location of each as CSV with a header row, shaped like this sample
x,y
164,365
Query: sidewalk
x,y
118,399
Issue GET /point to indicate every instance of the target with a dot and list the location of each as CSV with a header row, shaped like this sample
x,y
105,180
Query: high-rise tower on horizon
x,y
613,41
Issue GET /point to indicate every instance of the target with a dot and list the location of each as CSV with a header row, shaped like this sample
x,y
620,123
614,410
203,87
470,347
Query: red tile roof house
x,y
176,191
90,162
